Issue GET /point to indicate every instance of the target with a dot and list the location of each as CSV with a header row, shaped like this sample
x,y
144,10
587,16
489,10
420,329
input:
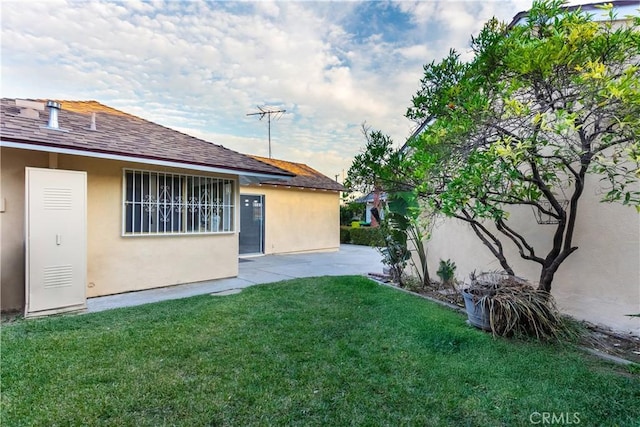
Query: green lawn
x,y
320,351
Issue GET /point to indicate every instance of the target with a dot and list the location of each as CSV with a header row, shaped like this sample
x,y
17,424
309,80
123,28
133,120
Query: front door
x,y
56,241
251,224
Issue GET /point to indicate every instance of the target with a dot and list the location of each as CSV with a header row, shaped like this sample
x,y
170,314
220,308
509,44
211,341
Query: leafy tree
x,y
541,106
378,167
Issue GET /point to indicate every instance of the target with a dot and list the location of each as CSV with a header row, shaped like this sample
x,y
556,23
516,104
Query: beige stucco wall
x,y
600,282
115,263
299,220
12,227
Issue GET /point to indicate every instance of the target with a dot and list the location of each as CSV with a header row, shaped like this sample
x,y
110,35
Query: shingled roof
x,y
305,176
119,135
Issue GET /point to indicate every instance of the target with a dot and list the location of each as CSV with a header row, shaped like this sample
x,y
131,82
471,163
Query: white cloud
x,y
416,52
202,66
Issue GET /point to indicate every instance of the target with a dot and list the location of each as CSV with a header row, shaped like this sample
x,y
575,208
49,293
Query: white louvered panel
x,y
58,276
56,241
58,198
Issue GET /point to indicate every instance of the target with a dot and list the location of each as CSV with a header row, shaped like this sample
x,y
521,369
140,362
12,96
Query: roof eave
x,y
252,175
289,185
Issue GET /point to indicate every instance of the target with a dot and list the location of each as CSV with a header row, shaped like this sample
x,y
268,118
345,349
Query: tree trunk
x,y
426,279
546,278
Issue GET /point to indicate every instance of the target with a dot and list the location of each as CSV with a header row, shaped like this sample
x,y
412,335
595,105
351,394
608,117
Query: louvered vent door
x,y
56,241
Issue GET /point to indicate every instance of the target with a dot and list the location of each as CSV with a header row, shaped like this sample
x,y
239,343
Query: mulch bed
x,y
598,338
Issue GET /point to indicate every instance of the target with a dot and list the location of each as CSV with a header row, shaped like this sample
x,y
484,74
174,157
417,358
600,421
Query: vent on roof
x,y
93,122
54,108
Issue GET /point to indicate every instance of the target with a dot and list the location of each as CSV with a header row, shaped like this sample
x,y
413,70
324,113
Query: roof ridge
x,y
261,158
122,133
277,160
107,107
304,175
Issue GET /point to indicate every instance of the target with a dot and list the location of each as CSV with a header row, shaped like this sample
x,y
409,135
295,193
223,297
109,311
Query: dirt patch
x,y
10,317
598,338
626,346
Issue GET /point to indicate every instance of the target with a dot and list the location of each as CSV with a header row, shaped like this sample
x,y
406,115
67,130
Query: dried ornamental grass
x,y
516,308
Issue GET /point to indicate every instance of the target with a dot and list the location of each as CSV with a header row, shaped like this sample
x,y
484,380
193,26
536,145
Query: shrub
x,y
446,272
412,283
395,254
351,211
345,234
367,236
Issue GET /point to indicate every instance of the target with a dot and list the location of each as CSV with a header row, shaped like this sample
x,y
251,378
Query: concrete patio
x,y
350,260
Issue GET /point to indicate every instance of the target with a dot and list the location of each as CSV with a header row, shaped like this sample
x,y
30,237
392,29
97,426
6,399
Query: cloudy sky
x,y
201,67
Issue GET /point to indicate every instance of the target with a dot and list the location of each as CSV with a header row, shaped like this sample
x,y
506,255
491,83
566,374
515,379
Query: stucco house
x,y
95,201
301,214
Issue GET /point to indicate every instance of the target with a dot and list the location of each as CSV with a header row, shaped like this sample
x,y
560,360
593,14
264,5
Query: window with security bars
x,y
166,203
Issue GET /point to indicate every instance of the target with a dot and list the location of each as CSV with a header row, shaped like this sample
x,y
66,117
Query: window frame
x,y
226,204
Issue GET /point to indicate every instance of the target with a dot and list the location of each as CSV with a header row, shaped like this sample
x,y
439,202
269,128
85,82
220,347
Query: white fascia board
x,y
36,147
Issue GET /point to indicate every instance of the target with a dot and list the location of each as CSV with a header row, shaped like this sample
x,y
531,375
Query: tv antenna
x,y
264,111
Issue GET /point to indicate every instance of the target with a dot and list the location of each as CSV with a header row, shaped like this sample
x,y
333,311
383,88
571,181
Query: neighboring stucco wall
x,y
115,263
299,220
600,282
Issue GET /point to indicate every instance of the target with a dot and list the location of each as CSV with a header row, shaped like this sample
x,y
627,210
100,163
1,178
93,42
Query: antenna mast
x,y
264,111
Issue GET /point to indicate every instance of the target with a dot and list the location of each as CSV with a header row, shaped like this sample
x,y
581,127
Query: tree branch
x,y
485,235
519,241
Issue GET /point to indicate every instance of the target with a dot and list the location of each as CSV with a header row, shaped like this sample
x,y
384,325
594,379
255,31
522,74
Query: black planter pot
x,y
476,312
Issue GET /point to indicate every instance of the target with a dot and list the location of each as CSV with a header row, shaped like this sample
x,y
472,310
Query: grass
x,y
321,351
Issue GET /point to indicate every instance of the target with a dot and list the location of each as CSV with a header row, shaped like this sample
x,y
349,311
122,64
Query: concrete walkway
x,y
351,259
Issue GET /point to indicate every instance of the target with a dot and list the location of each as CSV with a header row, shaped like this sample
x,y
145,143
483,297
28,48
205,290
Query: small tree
x,y
406,216
379,167
395,252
